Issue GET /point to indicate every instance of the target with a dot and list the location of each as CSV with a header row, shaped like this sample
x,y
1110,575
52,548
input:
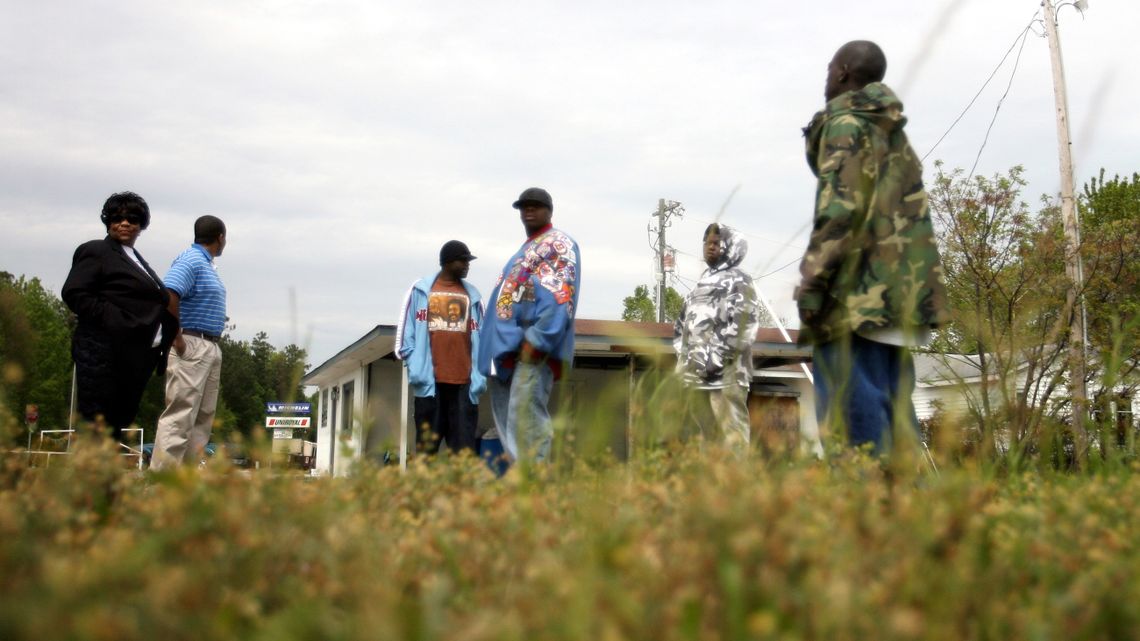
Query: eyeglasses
x,y
133,219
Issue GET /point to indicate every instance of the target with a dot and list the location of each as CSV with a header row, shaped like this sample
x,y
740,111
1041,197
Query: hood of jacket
x,y
875,103
733,249
718,321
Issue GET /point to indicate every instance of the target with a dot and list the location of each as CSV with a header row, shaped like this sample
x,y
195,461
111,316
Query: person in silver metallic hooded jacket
x,y
713,339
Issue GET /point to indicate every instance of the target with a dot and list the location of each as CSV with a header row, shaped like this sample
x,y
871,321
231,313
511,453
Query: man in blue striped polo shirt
x,y
194,369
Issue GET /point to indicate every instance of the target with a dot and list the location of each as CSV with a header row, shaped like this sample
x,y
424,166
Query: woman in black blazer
x,y
125,330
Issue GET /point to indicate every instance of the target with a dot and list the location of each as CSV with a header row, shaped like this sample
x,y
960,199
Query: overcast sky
x,y
344,142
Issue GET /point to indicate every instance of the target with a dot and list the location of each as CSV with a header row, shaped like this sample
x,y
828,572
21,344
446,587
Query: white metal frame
x,y
70,432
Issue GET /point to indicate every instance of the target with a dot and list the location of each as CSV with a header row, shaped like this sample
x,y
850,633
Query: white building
x,y
364,403
954,383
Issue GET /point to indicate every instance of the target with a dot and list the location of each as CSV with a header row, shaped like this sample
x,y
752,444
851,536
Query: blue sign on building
x,y
288,408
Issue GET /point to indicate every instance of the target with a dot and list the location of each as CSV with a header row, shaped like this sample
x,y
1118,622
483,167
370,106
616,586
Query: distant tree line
x,y
35,352
36,367
642,307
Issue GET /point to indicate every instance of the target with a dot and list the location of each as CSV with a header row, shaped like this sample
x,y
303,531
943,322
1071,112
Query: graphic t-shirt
x,y
449,313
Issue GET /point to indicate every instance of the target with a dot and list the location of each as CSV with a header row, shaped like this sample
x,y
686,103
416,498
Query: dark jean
x,y
448,416
865,387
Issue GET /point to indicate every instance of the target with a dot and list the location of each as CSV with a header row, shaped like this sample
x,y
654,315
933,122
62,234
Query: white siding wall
x,y
953,399
324,431
808,423
336,419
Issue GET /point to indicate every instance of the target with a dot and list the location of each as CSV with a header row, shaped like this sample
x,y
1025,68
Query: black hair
x,y
866,62
125,203
207,229
713,228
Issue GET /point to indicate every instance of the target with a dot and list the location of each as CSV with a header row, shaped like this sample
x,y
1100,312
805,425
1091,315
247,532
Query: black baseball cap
x,y
534,195
454,250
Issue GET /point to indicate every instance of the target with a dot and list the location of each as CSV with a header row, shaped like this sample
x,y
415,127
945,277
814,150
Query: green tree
x,y
36,366
253,374
1004,269
35,351
642,307
1110,234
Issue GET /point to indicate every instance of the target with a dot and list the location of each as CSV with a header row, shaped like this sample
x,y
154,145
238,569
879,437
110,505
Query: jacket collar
x,y
148,276
540,232
205,252
425,284
874,103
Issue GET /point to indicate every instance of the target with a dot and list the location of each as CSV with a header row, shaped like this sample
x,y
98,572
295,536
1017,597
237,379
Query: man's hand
x,y
528,354
179,344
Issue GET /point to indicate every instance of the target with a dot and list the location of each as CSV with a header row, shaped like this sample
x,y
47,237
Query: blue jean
x,y
519,408
865,386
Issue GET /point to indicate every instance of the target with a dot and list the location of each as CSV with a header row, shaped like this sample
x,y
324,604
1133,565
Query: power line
x,y
765,275
1020,36
679,280
1024,37
781,243
780,268
784,245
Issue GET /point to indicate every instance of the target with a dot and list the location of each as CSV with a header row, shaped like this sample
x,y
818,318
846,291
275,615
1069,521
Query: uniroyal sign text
x,y
286,421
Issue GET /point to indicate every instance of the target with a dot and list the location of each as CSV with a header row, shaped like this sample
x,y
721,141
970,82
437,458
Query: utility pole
x,y
1074,300
660,260
665,209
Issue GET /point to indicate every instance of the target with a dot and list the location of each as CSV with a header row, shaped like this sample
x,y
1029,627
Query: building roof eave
x,y
593,338
376,344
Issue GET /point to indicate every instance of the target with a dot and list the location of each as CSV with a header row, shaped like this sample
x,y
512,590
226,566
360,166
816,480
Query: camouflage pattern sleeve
x,y
750,318
846,176
872,260
737,313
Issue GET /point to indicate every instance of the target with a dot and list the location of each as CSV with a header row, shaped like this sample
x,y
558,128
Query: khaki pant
x,y
191,401
721,415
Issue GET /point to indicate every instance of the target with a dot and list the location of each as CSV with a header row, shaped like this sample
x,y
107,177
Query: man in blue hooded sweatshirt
x,y
438,339
529,335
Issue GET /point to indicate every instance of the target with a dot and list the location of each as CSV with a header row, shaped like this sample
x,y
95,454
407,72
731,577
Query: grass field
x,y
678,545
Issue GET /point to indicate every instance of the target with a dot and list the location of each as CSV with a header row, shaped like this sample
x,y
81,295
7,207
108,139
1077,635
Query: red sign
x,y
294,422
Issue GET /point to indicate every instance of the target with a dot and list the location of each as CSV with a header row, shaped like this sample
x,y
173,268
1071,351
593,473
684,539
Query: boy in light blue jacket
x,y
438,340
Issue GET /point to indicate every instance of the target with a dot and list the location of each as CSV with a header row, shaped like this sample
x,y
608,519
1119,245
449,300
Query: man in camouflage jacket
x,y
871,276
713,339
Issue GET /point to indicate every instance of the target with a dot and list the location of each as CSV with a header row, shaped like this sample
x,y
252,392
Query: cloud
x,y
344,142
